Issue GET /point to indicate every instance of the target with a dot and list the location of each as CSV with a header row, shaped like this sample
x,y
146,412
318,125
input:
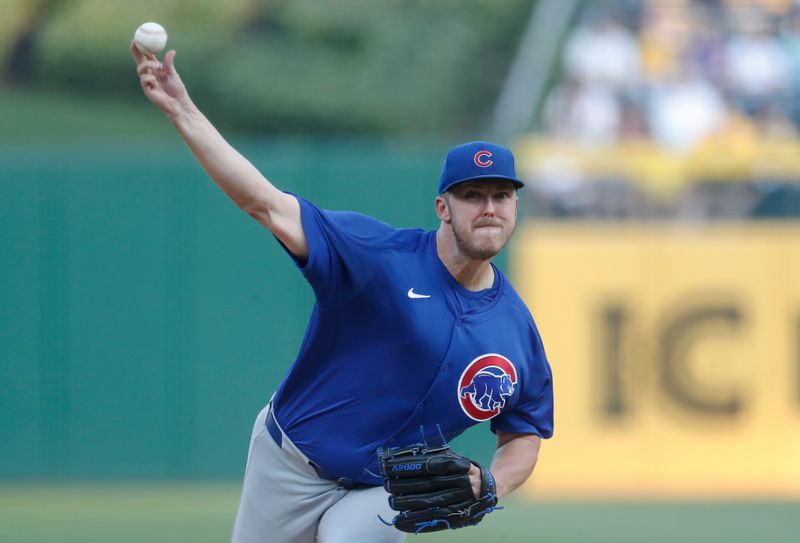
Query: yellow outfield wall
x,y
676,357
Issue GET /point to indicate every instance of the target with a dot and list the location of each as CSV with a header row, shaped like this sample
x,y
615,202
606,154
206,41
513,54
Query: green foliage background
x,y
350,66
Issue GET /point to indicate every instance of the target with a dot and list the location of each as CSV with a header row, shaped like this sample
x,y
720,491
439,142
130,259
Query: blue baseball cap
x,y
478,160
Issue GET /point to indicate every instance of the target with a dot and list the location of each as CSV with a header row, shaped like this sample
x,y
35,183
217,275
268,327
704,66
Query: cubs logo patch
x,y
485,385
481,159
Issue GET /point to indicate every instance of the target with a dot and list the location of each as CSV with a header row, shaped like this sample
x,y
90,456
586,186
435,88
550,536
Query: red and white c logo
x,y
485,385
481,159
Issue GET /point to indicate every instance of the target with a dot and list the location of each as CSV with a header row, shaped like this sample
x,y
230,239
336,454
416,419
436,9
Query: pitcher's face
x,y
482,215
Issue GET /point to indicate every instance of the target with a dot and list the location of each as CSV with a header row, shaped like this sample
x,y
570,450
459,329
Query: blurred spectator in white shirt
x,y
757,67
586,113
603,51
684,111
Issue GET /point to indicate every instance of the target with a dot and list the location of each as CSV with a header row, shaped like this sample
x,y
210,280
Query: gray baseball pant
x,y
285,501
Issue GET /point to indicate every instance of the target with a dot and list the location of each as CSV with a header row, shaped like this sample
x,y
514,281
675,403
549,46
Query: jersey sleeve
x,y
342,251
533,411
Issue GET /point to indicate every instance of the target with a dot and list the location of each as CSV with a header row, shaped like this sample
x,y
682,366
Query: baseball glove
x,y
431,489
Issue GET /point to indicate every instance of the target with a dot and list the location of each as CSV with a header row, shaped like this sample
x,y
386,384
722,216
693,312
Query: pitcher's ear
x,y
442,208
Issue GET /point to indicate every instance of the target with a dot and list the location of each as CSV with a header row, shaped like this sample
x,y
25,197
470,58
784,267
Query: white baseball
x,y
150,38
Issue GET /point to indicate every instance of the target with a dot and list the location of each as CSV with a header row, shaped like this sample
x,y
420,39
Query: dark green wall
x,y
144,319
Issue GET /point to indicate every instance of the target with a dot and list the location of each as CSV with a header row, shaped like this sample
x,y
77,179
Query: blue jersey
x,y
395,343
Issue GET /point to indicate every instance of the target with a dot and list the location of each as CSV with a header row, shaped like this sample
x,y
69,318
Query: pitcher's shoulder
x,y
513,300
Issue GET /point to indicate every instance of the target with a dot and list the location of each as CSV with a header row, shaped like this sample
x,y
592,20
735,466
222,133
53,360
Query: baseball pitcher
x,y
414,337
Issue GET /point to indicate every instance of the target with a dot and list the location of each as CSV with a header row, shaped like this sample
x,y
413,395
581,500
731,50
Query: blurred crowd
x,y
682,74
679,71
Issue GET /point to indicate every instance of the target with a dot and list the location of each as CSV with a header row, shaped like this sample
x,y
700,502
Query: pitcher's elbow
x,y
258,211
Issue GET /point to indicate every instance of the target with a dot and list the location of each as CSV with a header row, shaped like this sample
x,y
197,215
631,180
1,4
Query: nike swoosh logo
x,y
412,294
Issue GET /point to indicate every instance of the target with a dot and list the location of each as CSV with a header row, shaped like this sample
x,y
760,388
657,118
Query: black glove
x,y
431,489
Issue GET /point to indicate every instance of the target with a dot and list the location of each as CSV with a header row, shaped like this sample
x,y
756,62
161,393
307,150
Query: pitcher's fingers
x,y
137,55
148,66
148,81
169,61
